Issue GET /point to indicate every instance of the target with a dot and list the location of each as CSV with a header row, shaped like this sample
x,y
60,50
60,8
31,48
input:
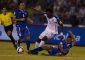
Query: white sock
x,y
36,44
41,43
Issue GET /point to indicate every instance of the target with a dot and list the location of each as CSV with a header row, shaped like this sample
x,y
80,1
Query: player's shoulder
x,y
25,11
9,13
0,14
17,10
53,17
56,17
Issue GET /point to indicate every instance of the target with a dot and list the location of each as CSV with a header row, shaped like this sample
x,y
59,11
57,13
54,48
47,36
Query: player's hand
x,y
31,22
70,33
61,36
45,14
22,19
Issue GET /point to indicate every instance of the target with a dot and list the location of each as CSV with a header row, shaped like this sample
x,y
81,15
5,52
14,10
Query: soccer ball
x,y
20,50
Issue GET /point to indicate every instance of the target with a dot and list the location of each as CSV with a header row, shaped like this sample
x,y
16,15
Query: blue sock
x,y
37,50
27,44
26,39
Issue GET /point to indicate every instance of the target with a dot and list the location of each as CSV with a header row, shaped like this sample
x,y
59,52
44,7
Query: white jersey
x,y
52,25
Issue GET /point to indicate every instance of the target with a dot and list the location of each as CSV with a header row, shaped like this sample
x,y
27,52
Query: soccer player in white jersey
x,y
51,29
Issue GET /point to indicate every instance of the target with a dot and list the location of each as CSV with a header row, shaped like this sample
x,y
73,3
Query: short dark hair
x,y
69,36
49,10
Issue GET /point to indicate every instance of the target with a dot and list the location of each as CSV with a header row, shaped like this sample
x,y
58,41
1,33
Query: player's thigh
x,y
50,35
47,34
9,29
43,34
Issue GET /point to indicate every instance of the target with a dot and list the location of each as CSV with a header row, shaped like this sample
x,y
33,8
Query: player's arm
x,y
13,18
61,48
61,25
29,20
73,38
21,19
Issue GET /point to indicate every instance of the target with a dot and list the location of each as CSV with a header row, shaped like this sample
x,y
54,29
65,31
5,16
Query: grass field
x,y
7,52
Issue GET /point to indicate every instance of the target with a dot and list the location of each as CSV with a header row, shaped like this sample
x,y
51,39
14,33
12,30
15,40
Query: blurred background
x,y
70,11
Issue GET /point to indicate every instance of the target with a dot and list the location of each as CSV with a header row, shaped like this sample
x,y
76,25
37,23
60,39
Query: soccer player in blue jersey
x,y
62,49
22,18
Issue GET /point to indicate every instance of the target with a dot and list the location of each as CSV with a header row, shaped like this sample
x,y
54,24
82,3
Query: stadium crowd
x,y
70,11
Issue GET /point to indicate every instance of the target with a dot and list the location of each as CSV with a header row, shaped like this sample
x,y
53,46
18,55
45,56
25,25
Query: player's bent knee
x,y
39,40
44,38
9,33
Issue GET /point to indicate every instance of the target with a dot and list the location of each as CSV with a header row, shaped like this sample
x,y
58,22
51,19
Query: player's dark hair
x,y
21,3
49,13
69,36
49,10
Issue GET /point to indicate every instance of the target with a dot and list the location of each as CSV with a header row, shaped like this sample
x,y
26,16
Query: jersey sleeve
x,y
15,13
55,20
11,14
58,20
0,20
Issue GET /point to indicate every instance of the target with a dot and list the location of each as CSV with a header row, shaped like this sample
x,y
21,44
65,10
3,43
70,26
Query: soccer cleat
x,y
29,52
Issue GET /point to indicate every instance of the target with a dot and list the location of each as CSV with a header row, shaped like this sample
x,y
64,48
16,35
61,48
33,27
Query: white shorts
x,y
47,33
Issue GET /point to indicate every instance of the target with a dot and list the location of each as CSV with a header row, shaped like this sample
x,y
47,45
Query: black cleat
x,y
29,52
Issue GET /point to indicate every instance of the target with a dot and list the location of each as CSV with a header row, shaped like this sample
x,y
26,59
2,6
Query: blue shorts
x,y
22,30
54,51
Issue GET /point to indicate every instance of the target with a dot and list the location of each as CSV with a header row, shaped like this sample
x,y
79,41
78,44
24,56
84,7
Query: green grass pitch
x,y
7,52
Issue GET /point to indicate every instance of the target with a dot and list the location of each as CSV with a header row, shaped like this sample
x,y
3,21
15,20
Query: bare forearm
x,y
19,19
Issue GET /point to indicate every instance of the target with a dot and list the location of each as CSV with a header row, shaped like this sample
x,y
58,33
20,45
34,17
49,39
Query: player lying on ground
x,y
51,30
62,49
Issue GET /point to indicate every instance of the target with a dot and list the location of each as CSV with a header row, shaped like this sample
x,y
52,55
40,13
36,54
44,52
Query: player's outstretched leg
x,y
35,51
37,43
42,42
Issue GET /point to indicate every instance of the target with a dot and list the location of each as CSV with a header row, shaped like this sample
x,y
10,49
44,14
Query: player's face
x,y
49,14
22,6
4,10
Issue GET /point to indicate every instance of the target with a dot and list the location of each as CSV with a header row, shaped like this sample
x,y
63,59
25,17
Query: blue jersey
x,y
66,46
55,49
22,27
21,14
58,19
